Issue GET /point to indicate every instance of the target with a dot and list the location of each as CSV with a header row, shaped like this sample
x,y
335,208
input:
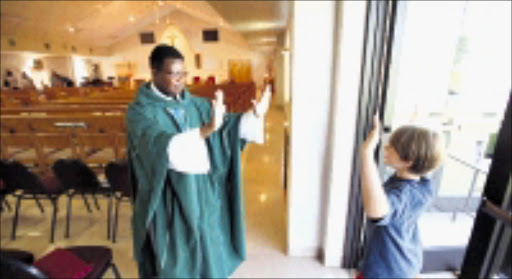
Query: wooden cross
x,y
171,39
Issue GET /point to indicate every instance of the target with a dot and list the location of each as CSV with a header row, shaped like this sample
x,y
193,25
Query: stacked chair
x,y
26,185
79,179
119,178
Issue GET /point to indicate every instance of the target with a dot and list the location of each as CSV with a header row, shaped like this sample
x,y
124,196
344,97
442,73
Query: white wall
x,y
349,51
62,65
312,60
22,61
82,67
72,66
56,47
13,61
187,31
278,99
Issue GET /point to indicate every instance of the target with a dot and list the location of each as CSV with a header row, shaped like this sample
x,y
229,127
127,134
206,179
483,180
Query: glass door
x,y
445,65
450,71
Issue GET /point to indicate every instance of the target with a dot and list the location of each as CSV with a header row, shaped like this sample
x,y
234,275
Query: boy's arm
x,y
375,201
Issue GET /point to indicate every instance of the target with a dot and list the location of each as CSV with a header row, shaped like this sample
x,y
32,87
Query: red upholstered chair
x,y
210,80
69,262
196,80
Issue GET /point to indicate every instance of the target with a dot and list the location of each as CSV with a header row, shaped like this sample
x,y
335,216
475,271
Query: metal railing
x,y
477,170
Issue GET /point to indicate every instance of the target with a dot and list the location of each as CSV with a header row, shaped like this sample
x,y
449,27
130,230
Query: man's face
x,y
171,78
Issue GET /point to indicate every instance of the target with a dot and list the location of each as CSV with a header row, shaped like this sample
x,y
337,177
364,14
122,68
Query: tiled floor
x,y
265,220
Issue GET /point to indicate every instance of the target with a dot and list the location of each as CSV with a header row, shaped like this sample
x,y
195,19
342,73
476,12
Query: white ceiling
x,y
103,23
260,22
96,23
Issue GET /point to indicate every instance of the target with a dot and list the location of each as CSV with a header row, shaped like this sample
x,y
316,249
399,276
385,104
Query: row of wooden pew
x,y
30,97
41,140
84,124
238,96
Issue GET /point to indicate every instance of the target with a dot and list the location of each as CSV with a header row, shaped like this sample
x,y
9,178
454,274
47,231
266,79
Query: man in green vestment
x,y
188,219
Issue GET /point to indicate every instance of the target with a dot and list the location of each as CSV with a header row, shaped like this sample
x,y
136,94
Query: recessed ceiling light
x,y
71,29
131,18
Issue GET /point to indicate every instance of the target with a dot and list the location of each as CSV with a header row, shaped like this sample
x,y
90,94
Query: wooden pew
x,y
21,147
50,137
68,109
76,101
54,146
237,96
24,97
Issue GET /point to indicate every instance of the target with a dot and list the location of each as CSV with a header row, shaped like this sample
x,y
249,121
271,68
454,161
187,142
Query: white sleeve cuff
x,y
188,153
252,128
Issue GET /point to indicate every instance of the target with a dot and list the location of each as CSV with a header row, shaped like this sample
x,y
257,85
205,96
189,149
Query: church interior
x,y
70,70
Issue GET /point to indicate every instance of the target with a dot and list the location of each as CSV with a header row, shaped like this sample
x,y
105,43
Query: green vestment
x,y
196,221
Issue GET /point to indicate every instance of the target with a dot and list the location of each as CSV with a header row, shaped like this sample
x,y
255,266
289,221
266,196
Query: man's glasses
x,y
177,74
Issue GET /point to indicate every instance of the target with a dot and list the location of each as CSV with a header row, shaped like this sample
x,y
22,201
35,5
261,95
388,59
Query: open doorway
x,y
453,75
449,69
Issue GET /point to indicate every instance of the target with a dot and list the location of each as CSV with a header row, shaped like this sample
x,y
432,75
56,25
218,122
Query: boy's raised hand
x,y
372,140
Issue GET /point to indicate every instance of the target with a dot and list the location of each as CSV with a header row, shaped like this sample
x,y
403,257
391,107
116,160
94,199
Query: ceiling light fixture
x,y
71,29
131,18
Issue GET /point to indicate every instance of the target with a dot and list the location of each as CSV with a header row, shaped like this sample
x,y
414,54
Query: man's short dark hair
x,y
162,52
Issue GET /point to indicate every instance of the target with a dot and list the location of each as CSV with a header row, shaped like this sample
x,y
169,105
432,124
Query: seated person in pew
x,y
10,81
26,82
185,151
58,80
393,208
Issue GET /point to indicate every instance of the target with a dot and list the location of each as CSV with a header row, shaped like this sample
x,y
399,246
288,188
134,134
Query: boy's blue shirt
x,y
394,247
